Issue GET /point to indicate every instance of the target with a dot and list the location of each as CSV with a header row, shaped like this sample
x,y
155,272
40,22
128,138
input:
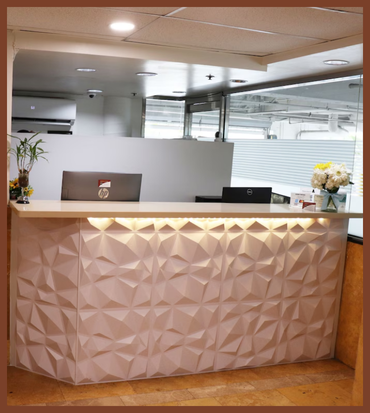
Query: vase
x,y
23,182
23,179
333,202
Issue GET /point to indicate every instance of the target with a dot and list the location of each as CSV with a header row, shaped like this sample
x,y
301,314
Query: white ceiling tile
x,y
298,21
190,34
82,20
160,11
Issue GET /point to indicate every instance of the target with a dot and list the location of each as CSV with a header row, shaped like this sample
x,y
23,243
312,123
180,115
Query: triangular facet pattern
x,y
105,299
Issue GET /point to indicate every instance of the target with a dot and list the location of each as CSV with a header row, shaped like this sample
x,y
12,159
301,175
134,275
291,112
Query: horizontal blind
x,y
164,119
287,161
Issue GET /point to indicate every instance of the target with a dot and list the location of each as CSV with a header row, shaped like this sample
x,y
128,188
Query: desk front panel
x,y
104,299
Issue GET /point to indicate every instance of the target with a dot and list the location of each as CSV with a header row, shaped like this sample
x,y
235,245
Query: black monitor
x,y
246,195
100,186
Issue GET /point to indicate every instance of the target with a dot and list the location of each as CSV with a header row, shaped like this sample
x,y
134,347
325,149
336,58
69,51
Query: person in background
x,y
217,137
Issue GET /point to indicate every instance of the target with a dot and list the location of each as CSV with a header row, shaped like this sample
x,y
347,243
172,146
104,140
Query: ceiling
x,y
291,42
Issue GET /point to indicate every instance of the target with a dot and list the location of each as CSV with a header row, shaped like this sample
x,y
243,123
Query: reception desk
x,y
105,291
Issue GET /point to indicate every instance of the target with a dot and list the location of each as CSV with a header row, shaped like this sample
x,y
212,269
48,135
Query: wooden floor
x,y
316,383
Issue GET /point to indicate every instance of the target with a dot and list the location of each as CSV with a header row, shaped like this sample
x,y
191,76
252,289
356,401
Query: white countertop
x,y
104,209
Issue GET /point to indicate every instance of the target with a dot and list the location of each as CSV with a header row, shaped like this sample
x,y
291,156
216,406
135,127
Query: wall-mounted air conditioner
x,y
46,115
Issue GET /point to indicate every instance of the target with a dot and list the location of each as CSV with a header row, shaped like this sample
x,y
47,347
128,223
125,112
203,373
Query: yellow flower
x,y
13,184
323,166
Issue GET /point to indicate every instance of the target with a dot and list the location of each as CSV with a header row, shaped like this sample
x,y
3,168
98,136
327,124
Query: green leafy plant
x,y
27,152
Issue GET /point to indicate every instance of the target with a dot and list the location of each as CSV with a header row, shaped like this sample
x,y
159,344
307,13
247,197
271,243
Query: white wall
x,y
117,116
136,111
98,116
89,116
173,170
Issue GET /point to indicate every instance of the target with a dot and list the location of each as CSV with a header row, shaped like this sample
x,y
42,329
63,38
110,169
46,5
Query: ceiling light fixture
x,y
146,74
209,77
122,26
94,91
81,69
238,81
336,62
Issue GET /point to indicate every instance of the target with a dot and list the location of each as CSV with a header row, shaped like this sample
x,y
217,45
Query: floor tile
x,y
331,376
288,381
258,398
214,391
189,381
309,367
29,388
155,398
320,366
40,404
318,394
104,401
346,385
200,402
164,404
159,385
94,391
237,376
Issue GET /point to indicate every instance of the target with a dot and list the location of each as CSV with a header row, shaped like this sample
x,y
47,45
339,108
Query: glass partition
x,y
164,119
280,134
204,125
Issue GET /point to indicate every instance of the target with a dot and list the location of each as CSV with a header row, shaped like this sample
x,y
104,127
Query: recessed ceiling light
x,y
81,69
122,26
94,91
238,81
178,91
146,74
336,62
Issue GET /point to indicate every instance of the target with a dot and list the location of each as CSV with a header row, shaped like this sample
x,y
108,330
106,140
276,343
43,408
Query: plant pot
x,y
23,179
333,202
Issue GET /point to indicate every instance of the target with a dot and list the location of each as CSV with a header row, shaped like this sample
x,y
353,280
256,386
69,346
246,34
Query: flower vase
x,y
23,181
333,202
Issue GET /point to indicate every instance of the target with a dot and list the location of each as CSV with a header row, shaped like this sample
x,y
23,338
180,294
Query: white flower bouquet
x,y
330,176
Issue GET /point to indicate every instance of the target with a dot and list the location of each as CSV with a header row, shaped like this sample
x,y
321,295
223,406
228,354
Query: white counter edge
x,y
96,209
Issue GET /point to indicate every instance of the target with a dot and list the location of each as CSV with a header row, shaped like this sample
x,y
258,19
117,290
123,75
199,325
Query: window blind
x,y
164,119
288,161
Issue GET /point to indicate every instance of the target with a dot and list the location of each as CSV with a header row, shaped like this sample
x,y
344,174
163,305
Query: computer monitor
x,y
100,186
246,195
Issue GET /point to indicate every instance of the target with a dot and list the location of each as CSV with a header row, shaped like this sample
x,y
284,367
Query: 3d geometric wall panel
x,y
120,299
47,294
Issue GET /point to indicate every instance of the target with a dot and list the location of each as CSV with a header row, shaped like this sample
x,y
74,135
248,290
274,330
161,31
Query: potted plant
x,y
27,153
